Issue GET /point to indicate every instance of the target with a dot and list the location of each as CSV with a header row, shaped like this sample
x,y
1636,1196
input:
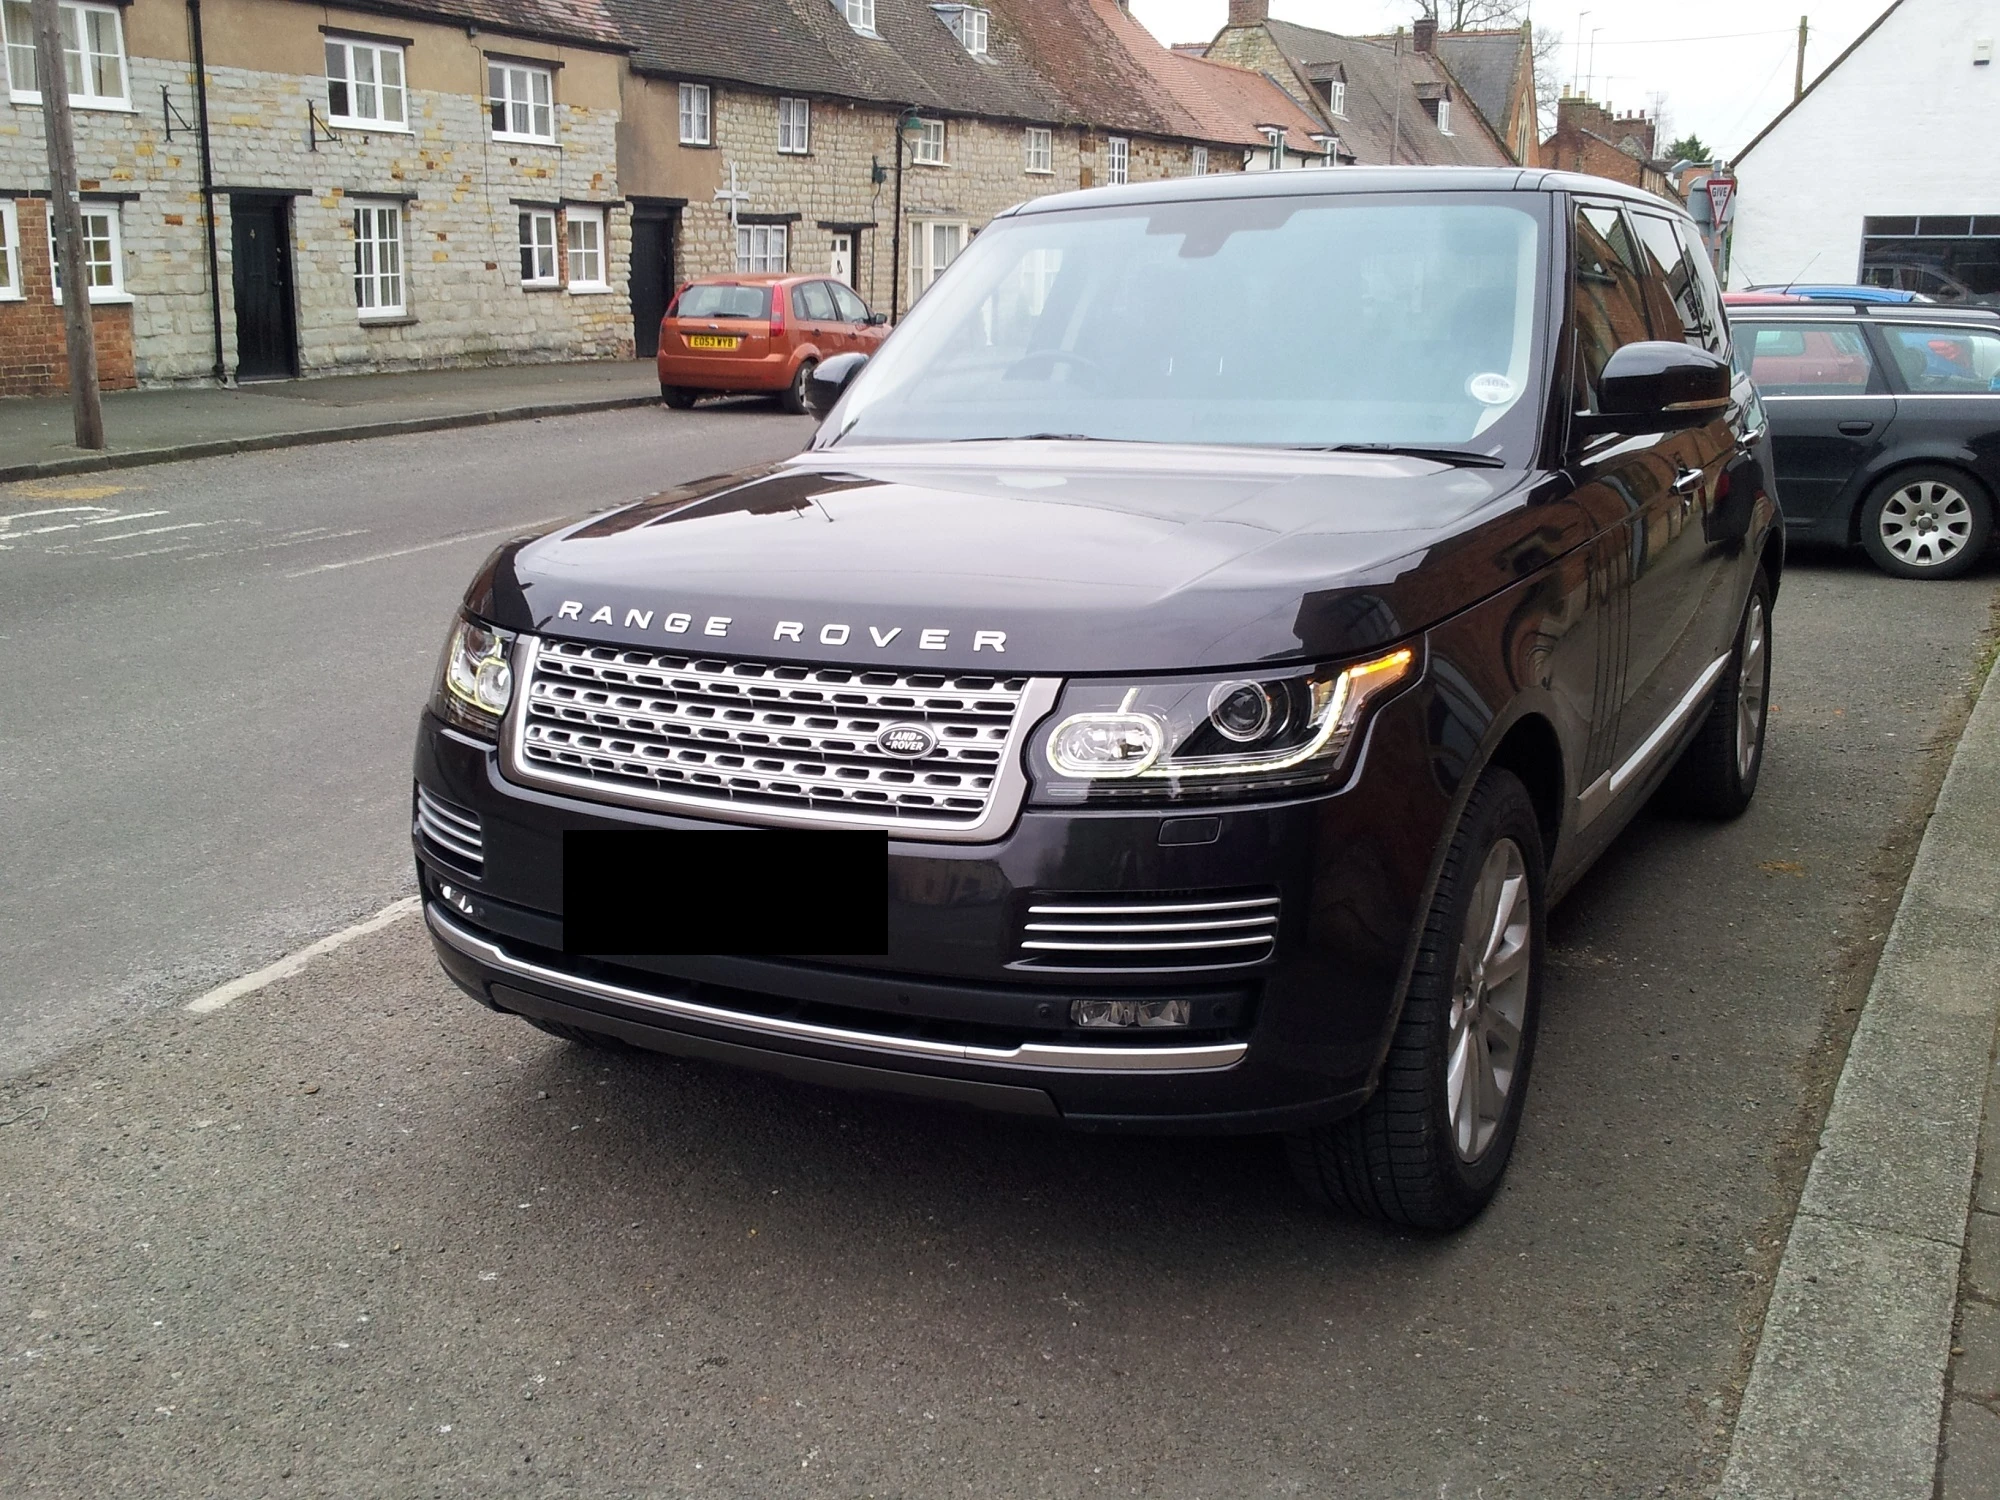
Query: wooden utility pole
x,y
66,208
1799,73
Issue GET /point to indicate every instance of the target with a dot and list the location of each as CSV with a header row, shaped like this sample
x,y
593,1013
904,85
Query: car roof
x,y
752,278
1874,312
1337,181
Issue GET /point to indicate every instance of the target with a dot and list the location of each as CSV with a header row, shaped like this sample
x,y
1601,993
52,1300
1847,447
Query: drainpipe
x,y
218,370
896,232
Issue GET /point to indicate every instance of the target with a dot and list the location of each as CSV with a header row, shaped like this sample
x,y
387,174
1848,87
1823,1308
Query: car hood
x,y
1044,557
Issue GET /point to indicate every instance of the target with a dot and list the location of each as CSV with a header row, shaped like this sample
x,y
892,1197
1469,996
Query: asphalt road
x,y
212,675
355,1236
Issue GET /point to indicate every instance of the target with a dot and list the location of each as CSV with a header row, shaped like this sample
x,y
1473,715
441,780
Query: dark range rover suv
x,y
1243,603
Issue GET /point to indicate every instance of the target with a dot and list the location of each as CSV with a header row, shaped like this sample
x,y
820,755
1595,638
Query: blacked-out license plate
x,y
761,891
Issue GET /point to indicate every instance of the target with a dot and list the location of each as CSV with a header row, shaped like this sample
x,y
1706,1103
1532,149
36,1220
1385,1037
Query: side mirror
x,y
876,320
1658,386
830,379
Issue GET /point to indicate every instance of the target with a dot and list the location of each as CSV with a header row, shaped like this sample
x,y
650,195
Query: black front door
x,y
260,242
652,278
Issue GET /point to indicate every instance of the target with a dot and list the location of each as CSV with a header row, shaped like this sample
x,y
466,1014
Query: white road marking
x,y
126,536
285,968
443,541
317,534
144,515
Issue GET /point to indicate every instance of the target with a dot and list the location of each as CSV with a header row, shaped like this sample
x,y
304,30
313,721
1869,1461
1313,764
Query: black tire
x,y
794,398
679,397
1717,773
597,1041
1939,522
1400,1157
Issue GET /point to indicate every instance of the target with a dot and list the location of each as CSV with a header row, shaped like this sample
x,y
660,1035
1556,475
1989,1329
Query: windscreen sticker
x,y
1491,388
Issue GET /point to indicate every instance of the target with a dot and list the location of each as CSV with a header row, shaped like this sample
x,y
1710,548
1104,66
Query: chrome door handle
x,y
1687,481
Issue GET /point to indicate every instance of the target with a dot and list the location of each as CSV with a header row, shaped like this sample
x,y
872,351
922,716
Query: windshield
x,y
1297,321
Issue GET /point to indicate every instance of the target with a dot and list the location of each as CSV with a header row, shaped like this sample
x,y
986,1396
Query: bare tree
x,y
1473,15
1548,76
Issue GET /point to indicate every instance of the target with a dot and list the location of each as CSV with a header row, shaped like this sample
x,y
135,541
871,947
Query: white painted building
x,y
1887,169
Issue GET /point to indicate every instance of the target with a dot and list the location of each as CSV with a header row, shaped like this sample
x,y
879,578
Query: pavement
x,y
1848,1388
186,422
349,1234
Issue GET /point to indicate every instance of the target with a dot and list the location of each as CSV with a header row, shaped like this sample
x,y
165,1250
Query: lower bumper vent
x,y
450,832
1148,932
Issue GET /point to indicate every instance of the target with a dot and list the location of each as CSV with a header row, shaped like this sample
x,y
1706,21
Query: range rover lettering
x,y
1243,605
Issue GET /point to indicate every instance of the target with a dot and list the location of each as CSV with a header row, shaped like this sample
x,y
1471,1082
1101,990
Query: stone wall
x,y
461,251
985,171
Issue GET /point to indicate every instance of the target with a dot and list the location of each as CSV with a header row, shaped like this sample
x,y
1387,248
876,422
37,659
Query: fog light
x,y
1111,1015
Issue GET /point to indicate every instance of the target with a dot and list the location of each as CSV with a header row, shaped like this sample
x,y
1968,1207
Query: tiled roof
x,y
1230,103
1377,77
807,47
1485,63
1091,52
586,21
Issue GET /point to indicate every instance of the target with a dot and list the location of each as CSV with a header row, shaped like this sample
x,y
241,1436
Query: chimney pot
x,y
1424,32
1249,12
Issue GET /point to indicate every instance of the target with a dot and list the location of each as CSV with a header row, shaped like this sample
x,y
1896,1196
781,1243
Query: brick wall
x,y
34,348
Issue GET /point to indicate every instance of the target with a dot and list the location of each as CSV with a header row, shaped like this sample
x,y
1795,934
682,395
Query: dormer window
x,y
968,23
860,15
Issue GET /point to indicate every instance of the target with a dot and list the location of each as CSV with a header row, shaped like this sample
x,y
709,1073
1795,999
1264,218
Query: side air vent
x,y
1148,933
449,832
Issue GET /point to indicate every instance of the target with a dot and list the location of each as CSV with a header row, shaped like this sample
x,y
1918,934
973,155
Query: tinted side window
x,y
811,302
852,308
1610,310
1809,359
1668,269
1949,361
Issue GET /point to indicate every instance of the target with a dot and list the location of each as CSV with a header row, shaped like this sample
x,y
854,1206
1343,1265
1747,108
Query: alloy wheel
x,y
1489,1001
1926,524
1750,686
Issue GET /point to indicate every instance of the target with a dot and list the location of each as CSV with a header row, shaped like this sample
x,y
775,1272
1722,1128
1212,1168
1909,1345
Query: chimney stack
x,y
1425,33
1249,12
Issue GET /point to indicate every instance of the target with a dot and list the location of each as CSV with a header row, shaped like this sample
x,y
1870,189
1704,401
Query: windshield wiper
x,y
1034,437
1458,457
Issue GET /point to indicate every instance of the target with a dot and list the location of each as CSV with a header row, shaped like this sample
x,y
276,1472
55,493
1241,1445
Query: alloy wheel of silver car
x,y
1926,523
1750,687
1489,1001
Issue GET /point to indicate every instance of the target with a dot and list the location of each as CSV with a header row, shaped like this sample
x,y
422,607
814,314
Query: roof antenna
x,y
1802,271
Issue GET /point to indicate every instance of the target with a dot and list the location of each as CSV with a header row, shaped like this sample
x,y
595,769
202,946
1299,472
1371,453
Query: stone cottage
x,y
391,186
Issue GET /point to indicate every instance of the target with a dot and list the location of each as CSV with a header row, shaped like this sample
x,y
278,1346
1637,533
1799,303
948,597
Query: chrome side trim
x,y
1197,1059
1599,794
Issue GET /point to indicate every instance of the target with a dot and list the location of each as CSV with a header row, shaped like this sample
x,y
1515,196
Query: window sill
x,y
101,299
12,297
697,145
366,127
783,152
385,320
589,289
541,286
99,106
1039,171
936,166
508,139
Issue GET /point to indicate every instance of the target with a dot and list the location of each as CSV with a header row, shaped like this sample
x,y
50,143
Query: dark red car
x,y
759,333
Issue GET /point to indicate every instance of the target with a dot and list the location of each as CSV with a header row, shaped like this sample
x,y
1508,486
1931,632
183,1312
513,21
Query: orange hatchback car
x,y
759,333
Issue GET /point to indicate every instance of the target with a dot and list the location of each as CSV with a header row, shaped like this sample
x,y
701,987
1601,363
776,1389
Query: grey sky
x,y
1725,66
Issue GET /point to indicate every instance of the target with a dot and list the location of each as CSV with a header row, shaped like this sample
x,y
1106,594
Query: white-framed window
x,y
583,240
103,254
762,247
935,244
968,23
1198,162
1336,98
378,260
928,148
1444,117
522,101
860,15
696,114
10,252
794,126
538,247
1041,150
364,85
93,42
1117,159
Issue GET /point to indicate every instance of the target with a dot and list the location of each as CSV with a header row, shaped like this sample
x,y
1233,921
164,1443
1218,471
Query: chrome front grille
x,y
450,832
1148,932
793,744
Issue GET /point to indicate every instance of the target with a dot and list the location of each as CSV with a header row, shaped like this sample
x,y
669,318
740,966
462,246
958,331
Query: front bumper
x,y
957,1011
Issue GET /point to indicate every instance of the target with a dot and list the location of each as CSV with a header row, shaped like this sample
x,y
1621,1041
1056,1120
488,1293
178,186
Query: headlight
x,y
476,681
1206,737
